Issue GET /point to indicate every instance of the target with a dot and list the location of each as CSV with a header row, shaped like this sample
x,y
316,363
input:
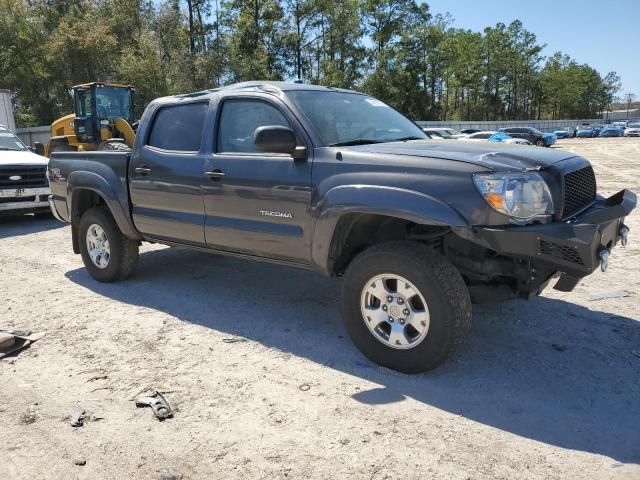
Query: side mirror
x,y
38,148
278,139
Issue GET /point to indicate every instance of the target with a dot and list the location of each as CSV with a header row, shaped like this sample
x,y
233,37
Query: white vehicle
x,y
632,130
23,180
442,132
484,136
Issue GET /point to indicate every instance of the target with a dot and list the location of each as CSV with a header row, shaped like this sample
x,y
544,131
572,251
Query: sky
x,y
603,34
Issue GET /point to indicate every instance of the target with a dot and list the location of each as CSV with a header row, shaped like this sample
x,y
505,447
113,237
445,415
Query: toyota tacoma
x,y
338,182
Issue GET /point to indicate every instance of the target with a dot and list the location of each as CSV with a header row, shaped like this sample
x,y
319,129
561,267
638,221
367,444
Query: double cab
x,y
338,182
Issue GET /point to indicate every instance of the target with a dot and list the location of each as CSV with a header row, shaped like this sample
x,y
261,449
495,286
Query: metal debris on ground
x,y
234,340
158,404
305,387
77,418
14,340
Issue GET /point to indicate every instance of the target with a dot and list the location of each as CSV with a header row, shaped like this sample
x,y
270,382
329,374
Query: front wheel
x,y
540,143
106,253
405,306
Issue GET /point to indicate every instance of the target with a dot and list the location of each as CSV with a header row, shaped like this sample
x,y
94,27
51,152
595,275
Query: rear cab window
x,y
178,128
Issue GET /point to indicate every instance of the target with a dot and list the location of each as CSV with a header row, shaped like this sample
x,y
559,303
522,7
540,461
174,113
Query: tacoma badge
x,y
269,213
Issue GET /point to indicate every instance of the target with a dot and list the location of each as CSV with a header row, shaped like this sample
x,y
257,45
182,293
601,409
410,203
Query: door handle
x,y
215,174
143,170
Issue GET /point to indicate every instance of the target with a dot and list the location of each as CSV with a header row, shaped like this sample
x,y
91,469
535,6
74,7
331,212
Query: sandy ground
x,y
254,359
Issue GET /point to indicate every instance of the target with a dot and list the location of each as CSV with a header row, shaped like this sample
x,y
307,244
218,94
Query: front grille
x,y
31,176
564,252
579,191
31,199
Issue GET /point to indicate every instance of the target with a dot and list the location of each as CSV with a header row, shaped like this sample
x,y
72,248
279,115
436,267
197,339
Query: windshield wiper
x,y
404,139
356,141
11,149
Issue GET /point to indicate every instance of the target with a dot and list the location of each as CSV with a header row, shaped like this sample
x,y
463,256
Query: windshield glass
x,y
112,102
349,118
634,125
8,141
535,131
584,127
442,133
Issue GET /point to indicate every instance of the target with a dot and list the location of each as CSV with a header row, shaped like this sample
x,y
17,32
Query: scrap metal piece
x,y
12,341
158,404
77,418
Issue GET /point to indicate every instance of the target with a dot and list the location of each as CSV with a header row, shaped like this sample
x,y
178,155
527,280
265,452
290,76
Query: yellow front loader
x,y
103,120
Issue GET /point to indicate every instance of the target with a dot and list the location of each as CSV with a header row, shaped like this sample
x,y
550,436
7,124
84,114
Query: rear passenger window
x,y
179,127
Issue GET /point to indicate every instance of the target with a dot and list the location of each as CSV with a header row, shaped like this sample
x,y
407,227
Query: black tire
x,y
113,146
123,252
540,143
437,280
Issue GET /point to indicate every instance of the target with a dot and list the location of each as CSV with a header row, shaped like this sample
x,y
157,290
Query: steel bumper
x,y
575,248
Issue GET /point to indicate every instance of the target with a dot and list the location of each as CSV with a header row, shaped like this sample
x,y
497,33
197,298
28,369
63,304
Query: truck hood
x,y
492,155
23,157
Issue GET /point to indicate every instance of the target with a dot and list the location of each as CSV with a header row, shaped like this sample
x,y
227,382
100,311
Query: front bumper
x,y
23,199
573,247
54,210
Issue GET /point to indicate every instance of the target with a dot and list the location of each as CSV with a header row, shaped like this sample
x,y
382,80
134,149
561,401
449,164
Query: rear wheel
x,y
106,253
405,306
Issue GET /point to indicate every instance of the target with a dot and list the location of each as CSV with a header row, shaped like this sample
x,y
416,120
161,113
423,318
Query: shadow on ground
x,y
547,370
16,225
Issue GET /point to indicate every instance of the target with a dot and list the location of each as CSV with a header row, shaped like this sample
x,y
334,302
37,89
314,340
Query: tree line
x,y
396,50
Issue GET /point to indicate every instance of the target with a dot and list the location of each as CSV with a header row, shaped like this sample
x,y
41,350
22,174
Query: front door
x,y
256,203
165,176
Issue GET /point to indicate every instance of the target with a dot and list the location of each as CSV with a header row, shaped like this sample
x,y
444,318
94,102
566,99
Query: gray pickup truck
x,y
338,182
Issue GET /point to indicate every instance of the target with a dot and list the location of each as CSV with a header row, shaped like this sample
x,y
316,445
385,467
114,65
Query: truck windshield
x,y
8,141
353,119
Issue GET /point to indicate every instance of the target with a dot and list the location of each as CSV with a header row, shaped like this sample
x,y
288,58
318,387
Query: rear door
x,y
257,203
165,175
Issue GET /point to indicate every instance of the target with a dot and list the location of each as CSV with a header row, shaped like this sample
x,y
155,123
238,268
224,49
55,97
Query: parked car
x,y
535,136
610,131
562,133
340,183
621,125
468,131
597,127
23,182
446,133
585,131
632,130
491,136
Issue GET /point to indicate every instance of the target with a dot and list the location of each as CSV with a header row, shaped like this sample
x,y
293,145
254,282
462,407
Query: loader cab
x,y
96,107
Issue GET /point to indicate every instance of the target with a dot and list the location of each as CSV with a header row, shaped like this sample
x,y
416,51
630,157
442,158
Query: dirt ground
x,y
265,384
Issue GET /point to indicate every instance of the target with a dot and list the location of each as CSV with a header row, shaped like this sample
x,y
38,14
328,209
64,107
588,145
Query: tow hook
x,y
604,259
624,235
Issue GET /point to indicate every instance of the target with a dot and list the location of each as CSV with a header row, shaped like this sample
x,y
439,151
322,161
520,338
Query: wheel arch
x,y
352,218
87,190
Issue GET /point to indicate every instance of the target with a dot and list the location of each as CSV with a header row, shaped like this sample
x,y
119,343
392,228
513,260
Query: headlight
x,y
522,196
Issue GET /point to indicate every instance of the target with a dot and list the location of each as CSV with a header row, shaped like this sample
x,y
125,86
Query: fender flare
x,y
83,180
400,203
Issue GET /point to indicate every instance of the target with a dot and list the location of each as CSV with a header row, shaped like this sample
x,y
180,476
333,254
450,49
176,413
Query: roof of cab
x,y
266,87
102,84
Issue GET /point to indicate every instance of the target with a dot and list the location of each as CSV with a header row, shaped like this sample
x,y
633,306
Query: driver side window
x,y
239,120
